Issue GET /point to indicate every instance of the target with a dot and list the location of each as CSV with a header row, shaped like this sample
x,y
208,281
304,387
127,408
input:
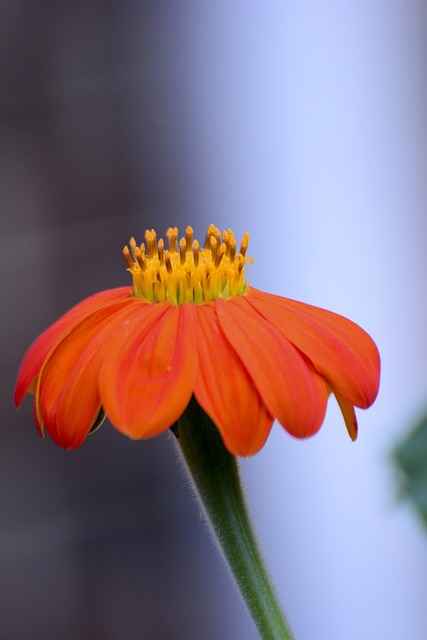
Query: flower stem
x,y
216,482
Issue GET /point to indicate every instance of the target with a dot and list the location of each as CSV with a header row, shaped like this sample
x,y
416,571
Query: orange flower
x,y
191,325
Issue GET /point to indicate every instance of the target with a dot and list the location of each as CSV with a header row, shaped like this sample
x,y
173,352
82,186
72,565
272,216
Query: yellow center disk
x,y
184,272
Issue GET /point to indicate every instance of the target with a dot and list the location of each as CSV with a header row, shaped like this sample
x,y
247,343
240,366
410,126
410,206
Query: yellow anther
x,y
212,232
161,275
150,238
214,247
189,237
129,260
196,253
232,254
132,244
140,258
207,239
216,234
182,250
160,250
172,235
220,255
244,244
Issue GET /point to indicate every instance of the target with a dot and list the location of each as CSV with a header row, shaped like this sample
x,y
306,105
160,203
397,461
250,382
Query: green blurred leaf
x,y
411,459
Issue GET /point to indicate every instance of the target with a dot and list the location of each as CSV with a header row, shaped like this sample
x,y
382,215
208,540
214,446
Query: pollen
x,y
181,271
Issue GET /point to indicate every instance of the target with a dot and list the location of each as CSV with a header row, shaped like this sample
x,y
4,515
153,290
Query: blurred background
x,y
302,123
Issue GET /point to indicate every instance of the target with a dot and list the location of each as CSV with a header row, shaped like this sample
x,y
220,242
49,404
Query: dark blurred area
x,y
106,541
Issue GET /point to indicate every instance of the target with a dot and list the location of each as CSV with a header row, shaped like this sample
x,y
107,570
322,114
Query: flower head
x,y
192,325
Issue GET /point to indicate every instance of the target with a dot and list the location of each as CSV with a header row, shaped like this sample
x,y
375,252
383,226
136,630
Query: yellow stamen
x,y
182,250
226,240
160,250
244,244
168,263
172,235
196,253
150,238
140,258
232,249
185,272
129,260
189,237
214,247
132,244
219,255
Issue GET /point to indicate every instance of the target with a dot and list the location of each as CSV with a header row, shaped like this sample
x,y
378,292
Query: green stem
x,y
216,481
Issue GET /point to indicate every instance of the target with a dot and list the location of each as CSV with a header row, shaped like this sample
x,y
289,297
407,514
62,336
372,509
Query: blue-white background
x,y
303,123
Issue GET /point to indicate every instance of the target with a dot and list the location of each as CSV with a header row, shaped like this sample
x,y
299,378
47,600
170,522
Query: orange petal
x,y
225,391
343,353
67,398
349,416
33,359
287,384
147,378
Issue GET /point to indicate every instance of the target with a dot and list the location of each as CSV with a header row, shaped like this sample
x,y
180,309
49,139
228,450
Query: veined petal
x,y
147,378
287,384
67,398
225,390
36,354
342,352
